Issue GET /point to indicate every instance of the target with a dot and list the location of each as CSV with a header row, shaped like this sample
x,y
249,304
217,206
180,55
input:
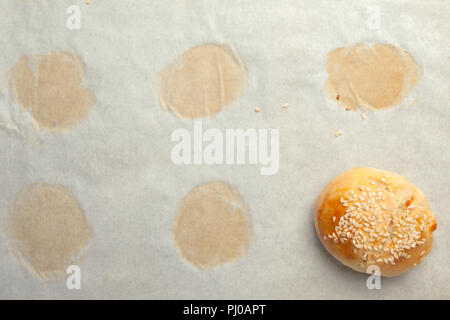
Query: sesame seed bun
x,y
368,217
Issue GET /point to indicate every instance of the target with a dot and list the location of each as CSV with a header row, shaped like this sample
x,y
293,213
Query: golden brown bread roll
x,y
367,217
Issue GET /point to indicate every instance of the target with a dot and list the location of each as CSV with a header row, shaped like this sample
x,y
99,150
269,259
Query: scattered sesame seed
x,y
338,133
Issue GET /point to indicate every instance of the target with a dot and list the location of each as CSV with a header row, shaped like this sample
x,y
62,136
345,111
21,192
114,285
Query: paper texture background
x,y
117,162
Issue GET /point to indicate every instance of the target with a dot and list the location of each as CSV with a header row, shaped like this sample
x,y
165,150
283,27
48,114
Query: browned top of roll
x,y
368,216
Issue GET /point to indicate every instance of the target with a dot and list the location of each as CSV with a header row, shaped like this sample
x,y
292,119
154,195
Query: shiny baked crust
x,y
367,216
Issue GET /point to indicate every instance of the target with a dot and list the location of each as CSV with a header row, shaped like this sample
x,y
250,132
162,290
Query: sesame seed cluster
x,y
379,234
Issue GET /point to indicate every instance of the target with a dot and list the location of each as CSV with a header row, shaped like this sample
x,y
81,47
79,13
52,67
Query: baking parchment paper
x,y
117,162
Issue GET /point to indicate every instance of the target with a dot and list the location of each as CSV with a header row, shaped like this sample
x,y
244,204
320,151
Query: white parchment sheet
x,y
117,162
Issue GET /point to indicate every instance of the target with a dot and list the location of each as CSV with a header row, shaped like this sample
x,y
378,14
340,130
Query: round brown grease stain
x,y
49,86
371,78
202,82
47,229
211,227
